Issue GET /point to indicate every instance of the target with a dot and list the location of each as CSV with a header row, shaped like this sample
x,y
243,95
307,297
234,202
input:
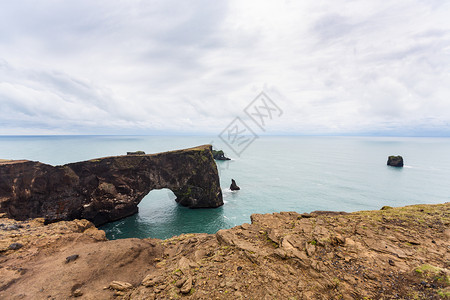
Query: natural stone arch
x,y
158,197
110,188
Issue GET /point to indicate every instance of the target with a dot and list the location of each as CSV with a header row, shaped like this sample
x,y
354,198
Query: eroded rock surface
x,y
399,253
107,189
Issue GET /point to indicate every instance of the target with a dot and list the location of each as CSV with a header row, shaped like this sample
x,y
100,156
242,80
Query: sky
x,y
192,67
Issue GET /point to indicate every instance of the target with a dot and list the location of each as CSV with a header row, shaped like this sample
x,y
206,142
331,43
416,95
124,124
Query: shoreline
x,y
373,254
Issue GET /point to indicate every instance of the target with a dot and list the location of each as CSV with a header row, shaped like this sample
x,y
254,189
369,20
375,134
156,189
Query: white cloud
x,y
149,66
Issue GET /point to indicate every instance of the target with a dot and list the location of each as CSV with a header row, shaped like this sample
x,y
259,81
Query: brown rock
x,y
187,286
77,293
310,249
184,264
152,280
179,283
120,285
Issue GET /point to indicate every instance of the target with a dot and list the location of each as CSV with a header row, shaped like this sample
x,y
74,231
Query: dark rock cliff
x,y
107,189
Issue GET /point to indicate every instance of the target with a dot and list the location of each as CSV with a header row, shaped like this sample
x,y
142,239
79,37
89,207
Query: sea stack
x,y
395,161
234,186
219,155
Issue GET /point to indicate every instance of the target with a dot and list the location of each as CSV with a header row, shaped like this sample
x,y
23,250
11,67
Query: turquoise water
x,y
275,174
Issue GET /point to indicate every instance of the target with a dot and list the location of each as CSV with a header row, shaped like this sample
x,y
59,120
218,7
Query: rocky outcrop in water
x,y
219,155
107,189
234,186
395,161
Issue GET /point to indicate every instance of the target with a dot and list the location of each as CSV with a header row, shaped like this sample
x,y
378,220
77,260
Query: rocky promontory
x,y
394,253
107,189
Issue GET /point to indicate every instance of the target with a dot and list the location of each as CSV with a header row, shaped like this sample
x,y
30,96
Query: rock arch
x,y
107,189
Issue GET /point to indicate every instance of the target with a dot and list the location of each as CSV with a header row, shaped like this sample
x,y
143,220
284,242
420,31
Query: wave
x,y
226,192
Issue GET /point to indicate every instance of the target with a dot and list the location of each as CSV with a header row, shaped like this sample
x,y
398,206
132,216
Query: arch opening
x,y
157,200
160,216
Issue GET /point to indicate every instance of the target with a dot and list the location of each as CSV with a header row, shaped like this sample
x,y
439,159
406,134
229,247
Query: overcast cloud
x,y
149,67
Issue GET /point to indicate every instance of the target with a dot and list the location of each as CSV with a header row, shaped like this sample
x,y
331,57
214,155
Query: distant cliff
x,y
107,189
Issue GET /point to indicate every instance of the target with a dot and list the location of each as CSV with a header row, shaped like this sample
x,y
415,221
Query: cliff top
x,y
11,161
198,148
400,253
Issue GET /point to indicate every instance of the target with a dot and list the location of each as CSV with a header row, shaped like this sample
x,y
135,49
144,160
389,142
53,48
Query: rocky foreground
x,y
394,253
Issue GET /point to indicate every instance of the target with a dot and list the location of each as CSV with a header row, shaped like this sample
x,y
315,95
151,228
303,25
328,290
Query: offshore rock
x,y
234,186
219,155
107,189
395,161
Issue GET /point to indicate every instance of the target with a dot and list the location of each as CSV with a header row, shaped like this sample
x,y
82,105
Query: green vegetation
x,y
136,153
444,294
177,271
386,207
434,273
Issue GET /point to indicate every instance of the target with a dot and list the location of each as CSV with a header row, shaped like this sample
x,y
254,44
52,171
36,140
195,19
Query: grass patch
x,y
443,293
434,273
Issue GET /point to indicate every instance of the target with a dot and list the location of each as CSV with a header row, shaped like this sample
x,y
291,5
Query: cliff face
x,y
107,189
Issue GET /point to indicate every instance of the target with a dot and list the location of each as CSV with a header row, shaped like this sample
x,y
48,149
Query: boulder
x,y
120,285
187,286
234,186
15,246
395,161
71,258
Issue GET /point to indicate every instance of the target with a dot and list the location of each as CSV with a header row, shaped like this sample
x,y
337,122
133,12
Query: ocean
x,y
275,173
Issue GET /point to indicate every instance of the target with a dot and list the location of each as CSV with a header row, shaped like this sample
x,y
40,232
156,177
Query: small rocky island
x,y
395,161
219,155
107,189
234,186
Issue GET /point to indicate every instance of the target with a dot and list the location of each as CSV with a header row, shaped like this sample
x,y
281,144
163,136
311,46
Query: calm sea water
x,y
275,174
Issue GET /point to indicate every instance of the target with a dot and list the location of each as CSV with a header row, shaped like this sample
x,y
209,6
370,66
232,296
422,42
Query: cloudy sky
x,y
191,67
